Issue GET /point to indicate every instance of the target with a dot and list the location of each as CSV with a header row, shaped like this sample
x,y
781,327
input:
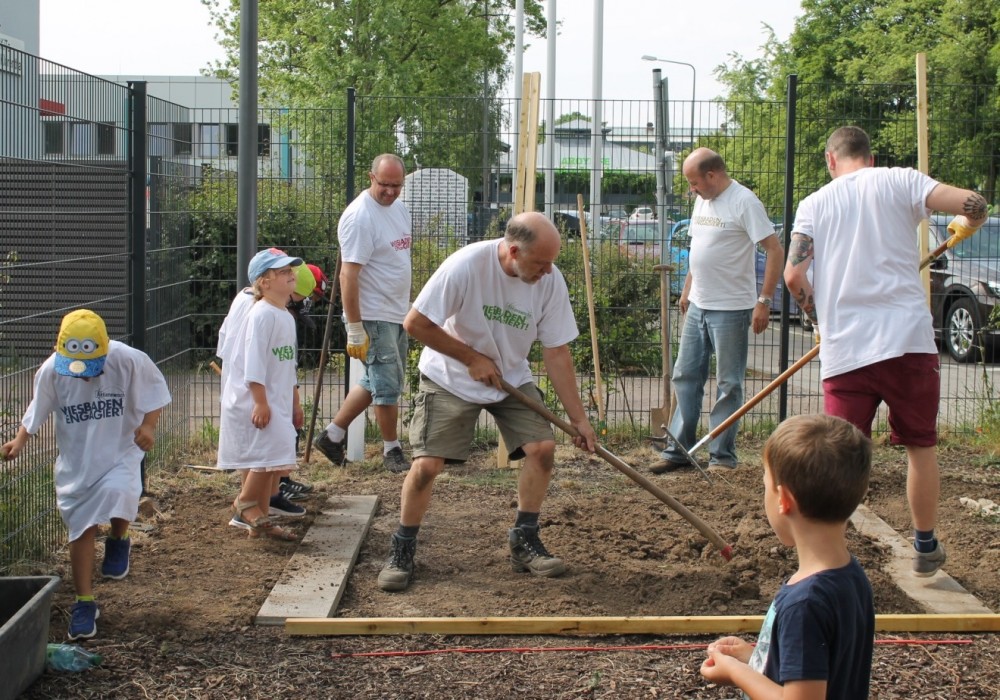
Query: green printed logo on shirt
x,y
285,352
513,317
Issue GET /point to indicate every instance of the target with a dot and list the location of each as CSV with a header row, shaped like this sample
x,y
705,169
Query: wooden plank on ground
x,y
940,593
313,580
708,624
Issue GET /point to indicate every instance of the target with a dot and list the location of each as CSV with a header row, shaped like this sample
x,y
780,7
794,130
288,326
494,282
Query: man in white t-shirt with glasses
x,y
375,237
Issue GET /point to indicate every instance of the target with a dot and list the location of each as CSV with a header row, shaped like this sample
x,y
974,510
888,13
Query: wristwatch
x,y
766,301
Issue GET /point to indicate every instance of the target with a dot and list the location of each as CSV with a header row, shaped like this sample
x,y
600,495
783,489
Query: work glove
x,y
961,228
357,341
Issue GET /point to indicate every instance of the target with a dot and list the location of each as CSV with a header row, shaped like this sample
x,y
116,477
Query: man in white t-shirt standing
x,y
721,301
867,299
478,316
375,237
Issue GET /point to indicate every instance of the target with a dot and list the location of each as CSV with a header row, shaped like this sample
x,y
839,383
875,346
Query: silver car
x,y
965,288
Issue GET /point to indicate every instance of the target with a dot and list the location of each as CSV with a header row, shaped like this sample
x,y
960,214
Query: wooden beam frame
x,y
708,624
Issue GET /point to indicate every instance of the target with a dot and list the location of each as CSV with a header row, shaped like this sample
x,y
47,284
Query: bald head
x,y
527,227
531,246
706,173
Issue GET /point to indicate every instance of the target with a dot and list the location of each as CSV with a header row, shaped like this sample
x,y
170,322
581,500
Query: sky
x,y
173,37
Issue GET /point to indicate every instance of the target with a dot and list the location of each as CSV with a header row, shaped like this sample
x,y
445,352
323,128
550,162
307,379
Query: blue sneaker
x,y
83,619
116,555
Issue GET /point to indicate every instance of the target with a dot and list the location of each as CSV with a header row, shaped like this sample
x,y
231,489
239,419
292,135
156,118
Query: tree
x,y
311,51
855,63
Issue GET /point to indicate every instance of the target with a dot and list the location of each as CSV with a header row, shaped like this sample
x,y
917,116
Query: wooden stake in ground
x,y
588,279
524,191
659,416
323,357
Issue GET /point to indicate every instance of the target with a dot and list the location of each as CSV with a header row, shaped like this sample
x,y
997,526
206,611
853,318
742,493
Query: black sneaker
x,y
333,451
282,507
527,553
291,495
290,484
293,490
398,569
395,461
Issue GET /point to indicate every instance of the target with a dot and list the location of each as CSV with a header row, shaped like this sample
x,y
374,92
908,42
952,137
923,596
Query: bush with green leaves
x,y
299,220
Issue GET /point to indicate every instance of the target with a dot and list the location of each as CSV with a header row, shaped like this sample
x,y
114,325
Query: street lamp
x,y
694,80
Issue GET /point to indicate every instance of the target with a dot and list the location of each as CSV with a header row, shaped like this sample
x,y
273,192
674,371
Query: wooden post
x,y
524,188
591,313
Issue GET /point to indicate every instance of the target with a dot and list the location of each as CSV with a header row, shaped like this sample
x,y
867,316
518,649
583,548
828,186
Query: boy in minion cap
x,y
105,399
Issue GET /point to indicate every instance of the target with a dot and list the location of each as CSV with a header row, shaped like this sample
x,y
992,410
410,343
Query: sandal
x,y
269,529
262,524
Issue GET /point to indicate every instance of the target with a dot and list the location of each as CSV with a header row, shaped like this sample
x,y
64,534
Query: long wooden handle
x,y
760,396
711,535
327,332
591,313
802,362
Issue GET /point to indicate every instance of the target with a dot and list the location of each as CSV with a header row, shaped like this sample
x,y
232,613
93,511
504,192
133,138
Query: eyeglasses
x,y
386,185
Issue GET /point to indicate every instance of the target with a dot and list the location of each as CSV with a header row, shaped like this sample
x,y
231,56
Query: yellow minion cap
x,y
79,325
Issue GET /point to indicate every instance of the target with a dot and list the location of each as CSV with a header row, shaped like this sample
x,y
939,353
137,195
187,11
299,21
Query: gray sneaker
x,y
527,553
395,461
398,569
333,451
927,563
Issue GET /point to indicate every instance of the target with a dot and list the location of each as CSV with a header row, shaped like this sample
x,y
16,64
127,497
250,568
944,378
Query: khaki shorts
x,y
443,425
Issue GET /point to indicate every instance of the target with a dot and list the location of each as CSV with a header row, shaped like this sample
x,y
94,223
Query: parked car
x,y
567,222
614,215
641,240
965,286
642,214
794,312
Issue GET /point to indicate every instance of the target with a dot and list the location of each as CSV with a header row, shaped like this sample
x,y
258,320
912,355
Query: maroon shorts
x,y
909,385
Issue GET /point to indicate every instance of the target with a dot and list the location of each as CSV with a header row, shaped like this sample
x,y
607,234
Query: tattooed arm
x,y
800,257
953,200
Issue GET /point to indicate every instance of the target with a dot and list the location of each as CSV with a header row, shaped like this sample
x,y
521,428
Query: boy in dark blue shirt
x,y
817,637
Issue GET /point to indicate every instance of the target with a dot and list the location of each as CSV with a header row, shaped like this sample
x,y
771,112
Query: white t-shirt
x,y
474,300
95,423
268,357
724,235
233,322
870,302
378,238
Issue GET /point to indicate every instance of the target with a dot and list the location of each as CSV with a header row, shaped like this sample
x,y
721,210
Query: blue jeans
x,y
723,333
385,363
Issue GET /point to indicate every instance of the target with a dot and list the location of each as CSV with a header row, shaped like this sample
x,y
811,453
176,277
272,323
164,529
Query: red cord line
x,y
641,647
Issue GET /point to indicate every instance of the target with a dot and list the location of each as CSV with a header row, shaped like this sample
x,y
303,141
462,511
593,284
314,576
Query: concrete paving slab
x,y
939,594
313,580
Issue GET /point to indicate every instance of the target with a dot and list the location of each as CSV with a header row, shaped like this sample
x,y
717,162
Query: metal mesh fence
x,y
70,221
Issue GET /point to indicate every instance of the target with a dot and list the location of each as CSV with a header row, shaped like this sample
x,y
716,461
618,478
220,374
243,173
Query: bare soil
x,y
180,625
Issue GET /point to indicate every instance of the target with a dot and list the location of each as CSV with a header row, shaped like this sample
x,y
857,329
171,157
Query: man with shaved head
x,y
477,317
721,302
857,237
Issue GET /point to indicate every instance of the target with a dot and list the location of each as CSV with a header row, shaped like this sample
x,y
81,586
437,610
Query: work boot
x,y
333,451
398,569
527,553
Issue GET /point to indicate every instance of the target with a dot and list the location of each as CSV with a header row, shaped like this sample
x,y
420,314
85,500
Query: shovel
x,y
659,416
